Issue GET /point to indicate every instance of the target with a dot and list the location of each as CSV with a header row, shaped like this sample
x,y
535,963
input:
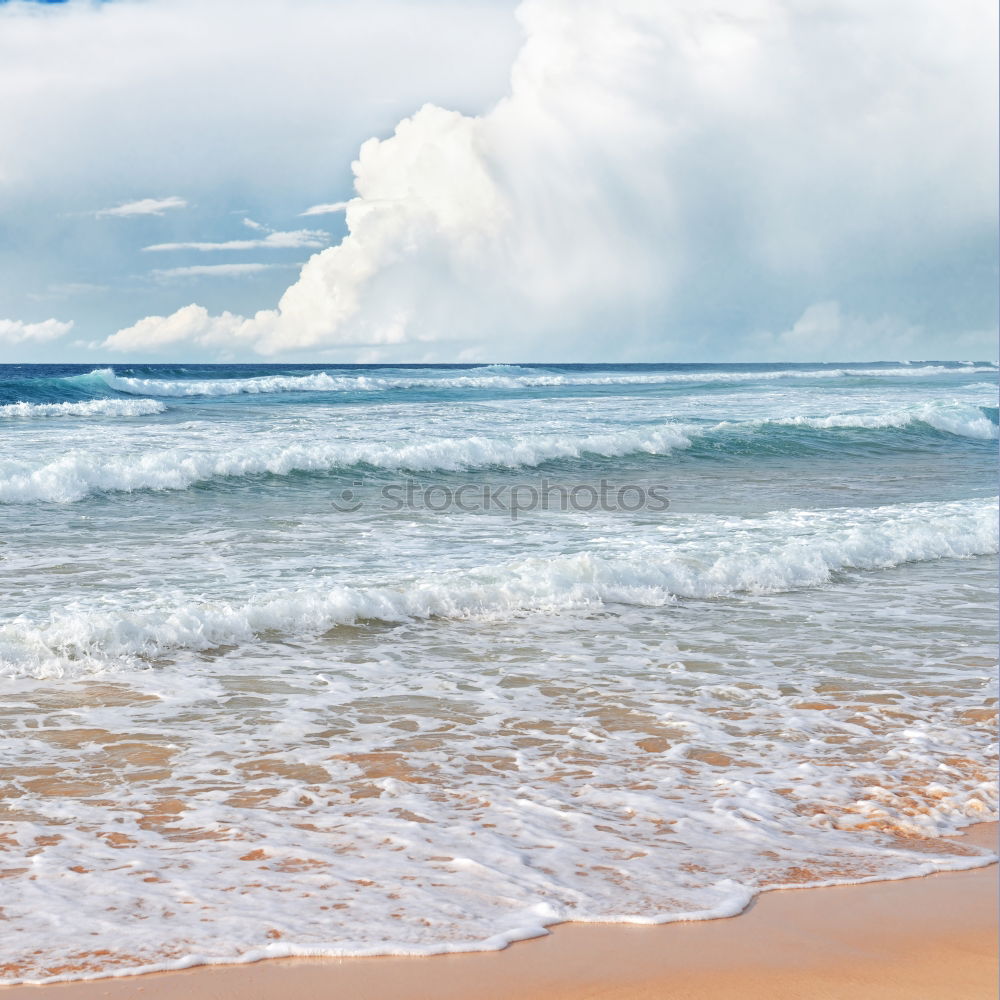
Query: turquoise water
x,y
283,672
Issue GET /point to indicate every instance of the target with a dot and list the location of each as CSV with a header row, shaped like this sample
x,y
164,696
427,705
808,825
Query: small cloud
x,y
215,270
289,240
145,206
16,331
251,224
330,209
273,241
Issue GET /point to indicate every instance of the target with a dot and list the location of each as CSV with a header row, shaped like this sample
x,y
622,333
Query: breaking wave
x,y
785,551
961,419
79,473
492,377
87,408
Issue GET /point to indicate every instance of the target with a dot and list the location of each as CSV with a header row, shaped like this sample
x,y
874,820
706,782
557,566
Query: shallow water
x,y
250,709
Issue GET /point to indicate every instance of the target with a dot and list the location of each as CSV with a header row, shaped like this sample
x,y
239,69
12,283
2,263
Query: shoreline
x,y
933,936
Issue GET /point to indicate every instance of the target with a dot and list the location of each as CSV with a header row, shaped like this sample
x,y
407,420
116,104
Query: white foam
x,y
76,474
713,558
318,382
962,419
87,408
498,378
456,788
80,472
580,717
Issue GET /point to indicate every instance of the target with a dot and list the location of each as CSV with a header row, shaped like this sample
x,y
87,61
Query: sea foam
x,y
78,473
786,551
489,378
86,408
959,418
240,725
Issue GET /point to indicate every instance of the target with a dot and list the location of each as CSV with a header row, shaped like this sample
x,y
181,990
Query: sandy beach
x,y
931,937
499,500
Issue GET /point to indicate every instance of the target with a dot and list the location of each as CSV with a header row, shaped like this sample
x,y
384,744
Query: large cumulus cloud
x,y
667,179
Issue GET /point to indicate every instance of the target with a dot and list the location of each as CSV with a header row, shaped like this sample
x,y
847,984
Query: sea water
x,y
404,660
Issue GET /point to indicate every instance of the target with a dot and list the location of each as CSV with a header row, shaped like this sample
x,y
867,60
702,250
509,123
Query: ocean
x,y
357,660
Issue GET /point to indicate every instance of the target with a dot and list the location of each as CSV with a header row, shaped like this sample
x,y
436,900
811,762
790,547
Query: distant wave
x,y
785,551
493,377
87,408
318,382
962,419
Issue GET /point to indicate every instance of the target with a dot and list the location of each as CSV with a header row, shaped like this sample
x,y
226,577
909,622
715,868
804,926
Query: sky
x,y
492,181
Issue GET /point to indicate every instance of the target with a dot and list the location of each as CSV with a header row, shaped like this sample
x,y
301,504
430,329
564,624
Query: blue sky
x,y
621,180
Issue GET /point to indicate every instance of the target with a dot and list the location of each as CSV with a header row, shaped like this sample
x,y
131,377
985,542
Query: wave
x,y
77,474
785,551
491,377
961,419
317,382
87,408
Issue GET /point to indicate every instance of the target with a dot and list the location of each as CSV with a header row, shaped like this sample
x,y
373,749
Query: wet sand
x,y
930,938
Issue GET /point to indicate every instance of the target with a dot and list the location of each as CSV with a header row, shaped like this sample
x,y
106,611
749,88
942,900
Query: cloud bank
x,y
664,180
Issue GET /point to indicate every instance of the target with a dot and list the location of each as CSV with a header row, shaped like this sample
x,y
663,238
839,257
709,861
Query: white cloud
x,y
192,324
275,240
654,162
15,331
145,206
248,90
231,104
329,209
215,270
